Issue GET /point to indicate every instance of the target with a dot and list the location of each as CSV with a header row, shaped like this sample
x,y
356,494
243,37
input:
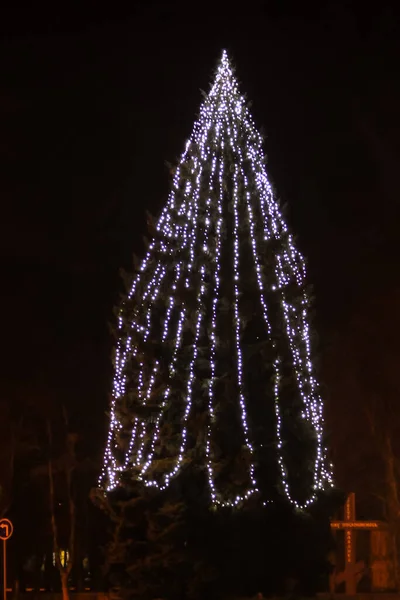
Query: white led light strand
x,y
285,483
152,290
211,413
178,271
271,214
147,462
201,137
242,401
109,474
167,477
155,437
144,402
111,468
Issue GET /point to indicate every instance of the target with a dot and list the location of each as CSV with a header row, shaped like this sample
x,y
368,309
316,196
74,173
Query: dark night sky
x,y
92,105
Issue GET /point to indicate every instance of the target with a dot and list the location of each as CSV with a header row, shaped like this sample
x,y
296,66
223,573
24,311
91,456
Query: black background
x,y
92,104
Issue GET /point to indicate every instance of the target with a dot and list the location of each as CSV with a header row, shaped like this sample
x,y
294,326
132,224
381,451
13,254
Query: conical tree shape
x,y
213,361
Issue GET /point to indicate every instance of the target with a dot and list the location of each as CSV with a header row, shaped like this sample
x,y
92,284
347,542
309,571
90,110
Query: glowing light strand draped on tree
x,y
193,221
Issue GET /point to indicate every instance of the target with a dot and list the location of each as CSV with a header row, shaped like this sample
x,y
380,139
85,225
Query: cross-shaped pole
x,y
352,570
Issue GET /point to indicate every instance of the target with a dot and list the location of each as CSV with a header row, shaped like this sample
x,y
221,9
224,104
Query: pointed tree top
x,y
225,64
224,75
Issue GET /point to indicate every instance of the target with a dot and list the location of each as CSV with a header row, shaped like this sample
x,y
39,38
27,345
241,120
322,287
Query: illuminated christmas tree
x,y
213,366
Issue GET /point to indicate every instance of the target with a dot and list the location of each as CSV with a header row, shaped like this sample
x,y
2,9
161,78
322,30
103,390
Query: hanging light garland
x,y
193,222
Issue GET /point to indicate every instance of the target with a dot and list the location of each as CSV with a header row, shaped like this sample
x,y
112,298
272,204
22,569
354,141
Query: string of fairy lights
x,y
193,222
197,168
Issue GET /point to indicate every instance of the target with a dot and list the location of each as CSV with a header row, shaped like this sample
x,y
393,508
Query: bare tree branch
x,y
52,498
70,468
